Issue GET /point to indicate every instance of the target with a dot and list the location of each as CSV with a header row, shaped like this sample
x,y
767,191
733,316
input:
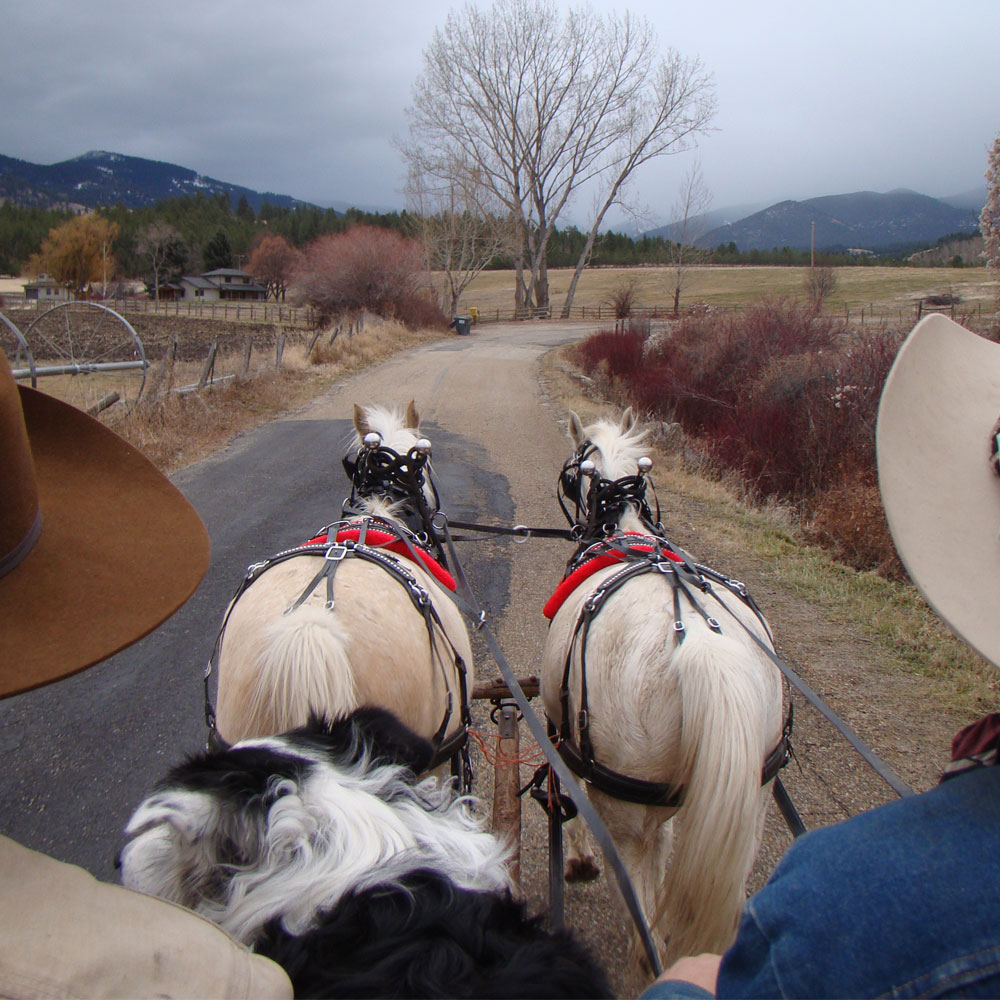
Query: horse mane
x,y
621,445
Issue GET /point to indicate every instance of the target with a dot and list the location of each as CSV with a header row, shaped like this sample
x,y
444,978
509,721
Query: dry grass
x,y
174,429
890,291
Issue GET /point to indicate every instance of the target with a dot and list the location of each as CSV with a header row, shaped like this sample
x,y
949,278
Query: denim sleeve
x,y
674,989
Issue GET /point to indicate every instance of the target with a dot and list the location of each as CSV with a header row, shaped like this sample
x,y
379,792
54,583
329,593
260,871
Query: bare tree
x,y
819,283
461,225
542,105
989,219
156,242
689,225
273,262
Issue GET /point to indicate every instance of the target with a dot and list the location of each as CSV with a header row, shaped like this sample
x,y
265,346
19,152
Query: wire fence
x,y
233,311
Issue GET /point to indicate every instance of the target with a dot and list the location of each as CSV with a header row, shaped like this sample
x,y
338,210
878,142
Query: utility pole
x,y
812,247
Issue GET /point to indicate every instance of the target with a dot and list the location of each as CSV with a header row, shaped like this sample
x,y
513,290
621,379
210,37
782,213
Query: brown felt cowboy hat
x,y
96,546
937,462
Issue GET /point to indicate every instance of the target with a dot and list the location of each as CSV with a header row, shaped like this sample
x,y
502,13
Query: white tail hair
x,y
303,667
724,722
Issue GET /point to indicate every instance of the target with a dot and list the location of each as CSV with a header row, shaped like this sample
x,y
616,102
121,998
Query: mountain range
x,y
100,178
863,220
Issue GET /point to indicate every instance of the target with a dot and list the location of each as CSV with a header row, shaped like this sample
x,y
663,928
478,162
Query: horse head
x,y
391,474
605,477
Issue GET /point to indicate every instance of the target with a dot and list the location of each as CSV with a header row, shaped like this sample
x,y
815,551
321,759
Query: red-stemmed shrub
x,y
782,395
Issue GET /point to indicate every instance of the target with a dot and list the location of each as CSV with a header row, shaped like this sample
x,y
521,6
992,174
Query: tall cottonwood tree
x,y
542,105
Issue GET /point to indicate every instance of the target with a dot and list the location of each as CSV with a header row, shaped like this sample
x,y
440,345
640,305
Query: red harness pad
x,y
385,540
587,569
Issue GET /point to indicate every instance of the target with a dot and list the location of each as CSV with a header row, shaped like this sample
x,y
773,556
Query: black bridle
x,y
598,503
377,470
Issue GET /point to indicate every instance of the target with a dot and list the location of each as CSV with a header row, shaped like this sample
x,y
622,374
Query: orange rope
x,y
533,755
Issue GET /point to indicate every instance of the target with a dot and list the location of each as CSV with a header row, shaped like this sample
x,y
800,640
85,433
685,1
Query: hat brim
x,y
120,550
940,492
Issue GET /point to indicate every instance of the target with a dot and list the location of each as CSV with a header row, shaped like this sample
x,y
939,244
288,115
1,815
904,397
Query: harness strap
x,y
333,555
682,573
562,772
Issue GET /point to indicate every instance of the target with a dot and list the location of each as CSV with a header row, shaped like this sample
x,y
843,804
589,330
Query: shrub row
x,y
780,394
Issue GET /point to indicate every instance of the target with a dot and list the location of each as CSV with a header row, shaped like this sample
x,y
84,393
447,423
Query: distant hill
x,y
865,220
100,178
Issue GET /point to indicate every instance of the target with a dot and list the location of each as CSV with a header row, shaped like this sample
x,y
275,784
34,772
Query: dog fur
x,y
321,849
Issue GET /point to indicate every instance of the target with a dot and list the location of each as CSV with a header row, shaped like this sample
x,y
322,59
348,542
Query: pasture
x,y
889,292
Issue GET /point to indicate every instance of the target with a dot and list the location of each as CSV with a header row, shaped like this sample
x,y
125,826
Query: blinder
x,y
380,471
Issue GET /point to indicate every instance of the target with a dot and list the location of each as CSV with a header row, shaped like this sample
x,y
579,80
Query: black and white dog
x,y
321,849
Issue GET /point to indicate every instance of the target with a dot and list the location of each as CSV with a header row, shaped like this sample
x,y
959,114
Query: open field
x,y
885,291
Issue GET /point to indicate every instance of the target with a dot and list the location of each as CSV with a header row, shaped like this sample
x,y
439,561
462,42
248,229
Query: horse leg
x,y
581,861
643,836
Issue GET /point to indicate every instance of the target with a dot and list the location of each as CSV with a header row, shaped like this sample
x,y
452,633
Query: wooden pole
x,y
279,350
247,350
103,403
209,366
506,782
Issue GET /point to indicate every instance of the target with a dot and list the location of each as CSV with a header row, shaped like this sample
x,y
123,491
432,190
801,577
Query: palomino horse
x,y
656,678
358,616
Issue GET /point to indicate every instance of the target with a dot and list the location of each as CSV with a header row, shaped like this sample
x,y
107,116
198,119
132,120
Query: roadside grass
x,y
174,430
891,292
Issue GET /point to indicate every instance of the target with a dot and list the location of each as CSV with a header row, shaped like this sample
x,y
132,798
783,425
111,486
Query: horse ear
x,y
361,424
412,420
576,432
628,421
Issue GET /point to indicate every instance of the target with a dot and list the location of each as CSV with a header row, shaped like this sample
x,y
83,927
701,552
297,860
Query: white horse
x,y
294,643
701,714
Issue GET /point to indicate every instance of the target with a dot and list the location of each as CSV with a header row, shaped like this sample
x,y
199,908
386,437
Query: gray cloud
x,y
303,98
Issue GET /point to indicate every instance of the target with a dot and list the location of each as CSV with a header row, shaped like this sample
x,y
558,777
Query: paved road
x,y
78,756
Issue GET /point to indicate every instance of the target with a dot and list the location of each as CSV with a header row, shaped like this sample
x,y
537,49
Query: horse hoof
x,y
582,870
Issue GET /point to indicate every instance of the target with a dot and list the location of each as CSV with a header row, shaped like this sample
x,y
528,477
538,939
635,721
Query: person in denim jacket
x,y
903,900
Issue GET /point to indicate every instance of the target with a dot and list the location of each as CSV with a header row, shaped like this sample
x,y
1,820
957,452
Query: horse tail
x,y
724,730
302,668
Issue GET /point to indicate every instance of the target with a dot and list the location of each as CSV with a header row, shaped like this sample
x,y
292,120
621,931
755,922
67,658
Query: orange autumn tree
x,y
272,263
78,253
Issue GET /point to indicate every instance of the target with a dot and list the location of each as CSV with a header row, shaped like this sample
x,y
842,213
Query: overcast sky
x,y
303,97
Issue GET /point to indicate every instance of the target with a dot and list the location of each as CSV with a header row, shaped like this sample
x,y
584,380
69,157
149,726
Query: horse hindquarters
x,y
727,720
300,665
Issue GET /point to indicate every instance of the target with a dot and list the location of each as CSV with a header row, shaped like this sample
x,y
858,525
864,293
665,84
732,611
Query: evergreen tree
x,y
218,252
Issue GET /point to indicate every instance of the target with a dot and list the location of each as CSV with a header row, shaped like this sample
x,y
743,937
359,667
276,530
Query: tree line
x,y
211,232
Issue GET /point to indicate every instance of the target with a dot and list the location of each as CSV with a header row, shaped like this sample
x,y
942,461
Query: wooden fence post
x,y
247,349
209,365
279,350
312,343
168,365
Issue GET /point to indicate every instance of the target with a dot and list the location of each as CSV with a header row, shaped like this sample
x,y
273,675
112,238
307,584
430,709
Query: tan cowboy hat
x,y
96,546
940,489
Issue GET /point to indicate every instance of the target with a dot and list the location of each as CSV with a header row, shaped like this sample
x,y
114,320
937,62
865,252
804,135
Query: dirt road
x,y
494,389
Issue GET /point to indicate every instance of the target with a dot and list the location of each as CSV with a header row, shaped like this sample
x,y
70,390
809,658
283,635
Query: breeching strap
x,y
473,608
